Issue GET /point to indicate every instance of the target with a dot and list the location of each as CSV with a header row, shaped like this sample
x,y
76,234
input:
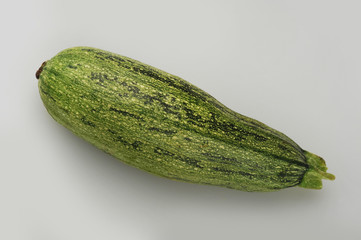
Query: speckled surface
x,y
162,124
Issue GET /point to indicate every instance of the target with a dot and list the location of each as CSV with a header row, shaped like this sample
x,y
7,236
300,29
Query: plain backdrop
x,y
294,65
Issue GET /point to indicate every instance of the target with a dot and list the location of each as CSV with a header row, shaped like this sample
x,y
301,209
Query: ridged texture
x,y
162,124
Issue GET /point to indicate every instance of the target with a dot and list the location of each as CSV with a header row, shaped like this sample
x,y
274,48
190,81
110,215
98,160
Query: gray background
x,y
294,65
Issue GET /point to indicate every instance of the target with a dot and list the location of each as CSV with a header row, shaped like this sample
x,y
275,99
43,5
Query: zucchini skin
x,y
162,124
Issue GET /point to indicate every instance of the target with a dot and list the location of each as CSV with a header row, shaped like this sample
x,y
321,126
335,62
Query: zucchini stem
x,y
316,172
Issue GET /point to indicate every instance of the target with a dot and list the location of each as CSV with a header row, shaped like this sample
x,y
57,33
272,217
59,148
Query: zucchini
x,y
162,124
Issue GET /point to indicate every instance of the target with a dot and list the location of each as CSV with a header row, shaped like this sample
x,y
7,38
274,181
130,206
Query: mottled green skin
x,y
162,124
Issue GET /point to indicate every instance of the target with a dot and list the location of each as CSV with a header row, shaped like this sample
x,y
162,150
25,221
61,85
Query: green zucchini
x,y
164,125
